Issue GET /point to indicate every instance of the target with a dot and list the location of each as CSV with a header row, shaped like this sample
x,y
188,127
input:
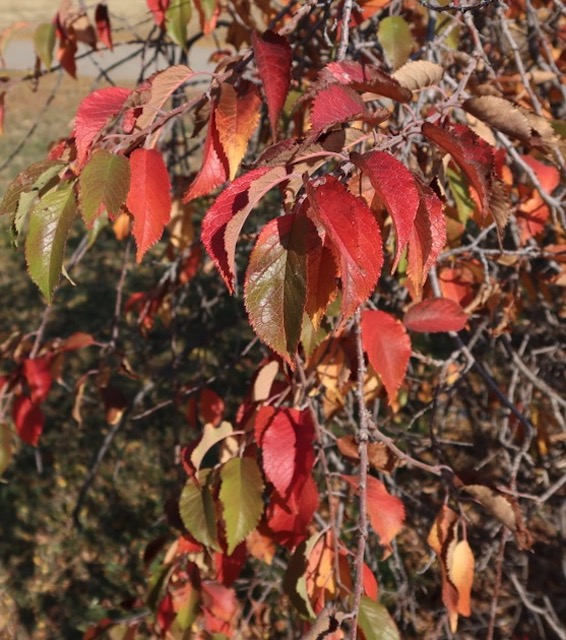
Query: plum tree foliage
x,y
378,186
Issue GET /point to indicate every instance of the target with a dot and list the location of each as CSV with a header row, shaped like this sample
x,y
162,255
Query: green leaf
x,y
461,192
241,497
44,183
5,447
49,226
176,18
275,288
197,509
44,43
25,182
395,38
105,180
188,611
376,623
311,337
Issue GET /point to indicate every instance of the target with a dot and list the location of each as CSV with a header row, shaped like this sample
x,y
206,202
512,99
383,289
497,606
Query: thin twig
x,y
363,439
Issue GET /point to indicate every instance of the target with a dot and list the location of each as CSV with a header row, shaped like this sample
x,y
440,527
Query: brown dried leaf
x,y
418,74
501,115
504,508
380,457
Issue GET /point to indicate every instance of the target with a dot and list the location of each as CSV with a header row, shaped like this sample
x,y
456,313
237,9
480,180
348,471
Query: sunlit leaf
x,y
93,114
237,116
273,58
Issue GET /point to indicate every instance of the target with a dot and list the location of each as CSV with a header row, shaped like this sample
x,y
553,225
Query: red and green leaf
x,y
214,169
276,284
104,182
224,220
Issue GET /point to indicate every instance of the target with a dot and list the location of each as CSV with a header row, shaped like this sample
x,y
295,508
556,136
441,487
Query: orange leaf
x,y
386,512
461,572
237,115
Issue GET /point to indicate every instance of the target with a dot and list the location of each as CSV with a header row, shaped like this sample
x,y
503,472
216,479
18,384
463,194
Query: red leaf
x,y
262,420
388,348
214,169
38,375
365,78
28,418
149,198
396,188
476,158
338,104
211,407
93,114
354,238
158,8
386,512
273,57
371,588
279,449
286,438
289,518
427,238
228,568
103,27
435,315
223,222
220,608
